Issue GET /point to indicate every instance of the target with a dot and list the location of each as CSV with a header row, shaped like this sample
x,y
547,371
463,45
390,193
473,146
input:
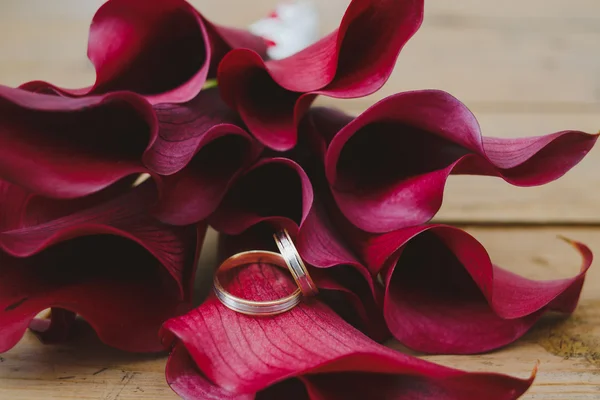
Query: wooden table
x,y
524,68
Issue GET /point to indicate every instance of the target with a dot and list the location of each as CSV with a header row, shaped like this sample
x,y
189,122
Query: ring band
x,y
252,307
295,263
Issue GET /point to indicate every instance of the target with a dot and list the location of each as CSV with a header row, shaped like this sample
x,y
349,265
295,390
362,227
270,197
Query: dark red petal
x,y
530,161
244,355
183,130
444,295
388,167
13,200
223,39
158,49
201,146
349,294
125,216
342,386
115,265
65,148
39,209
319,126
125,304
189,383
353,61
275,191
20,208
163,50
321,243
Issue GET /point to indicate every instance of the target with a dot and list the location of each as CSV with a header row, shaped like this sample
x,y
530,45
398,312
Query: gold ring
x,y
252,307
295,263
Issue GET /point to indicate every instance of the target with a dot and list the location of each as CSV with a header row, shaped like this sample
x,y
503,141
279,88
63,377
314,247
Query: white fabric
x,y
294,27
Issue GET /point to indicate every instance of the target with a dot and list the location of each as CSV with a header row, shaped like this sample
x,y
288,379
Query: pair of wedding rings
x,y
287,258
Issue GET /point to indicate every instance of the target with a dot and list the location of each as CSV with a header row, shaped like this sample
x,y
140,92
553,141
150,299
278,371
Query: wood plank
x,y
568,349
553,10
557,13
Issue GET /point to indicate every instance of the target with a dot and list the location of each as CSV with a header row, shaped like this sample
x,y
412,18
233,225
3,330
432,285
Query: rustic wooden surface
x,y
524,67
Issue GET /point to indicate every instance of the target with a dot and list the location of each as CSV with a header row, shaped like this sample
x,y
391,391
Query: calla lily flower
x,y
353,61
442,293
120,269
68,148
274,191
387,168
161,49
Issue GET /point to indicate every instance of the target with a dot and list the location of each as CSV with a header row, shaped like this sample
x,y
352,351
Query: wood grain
x,y
568,349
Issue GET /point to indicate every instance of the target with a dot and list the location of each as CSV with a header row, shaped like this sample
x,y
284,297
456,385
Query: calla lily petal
x,y
65,148
20,208
444,295
116,266
237,356
13,200
201,146
442,292
349,294
189,383
164,50
353,61
388,167
274,191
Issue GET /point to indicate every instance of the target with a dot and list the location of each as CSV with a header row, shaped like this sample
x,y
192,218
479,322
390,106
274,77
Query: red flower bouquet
x,y
106,193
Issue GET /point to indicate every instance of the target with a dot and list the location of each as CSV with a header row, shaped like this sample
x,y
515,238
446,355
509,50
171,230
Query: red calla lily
x,y
388,167
113,264
306,353
274,191
442,292
354,298
444,295
66,148
201,147
21,208
162,49
353,61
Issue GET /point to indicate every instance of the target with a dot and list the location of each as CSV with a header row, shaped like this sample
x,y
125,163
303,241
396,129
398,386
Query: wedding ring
x,y
252,307
295,263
